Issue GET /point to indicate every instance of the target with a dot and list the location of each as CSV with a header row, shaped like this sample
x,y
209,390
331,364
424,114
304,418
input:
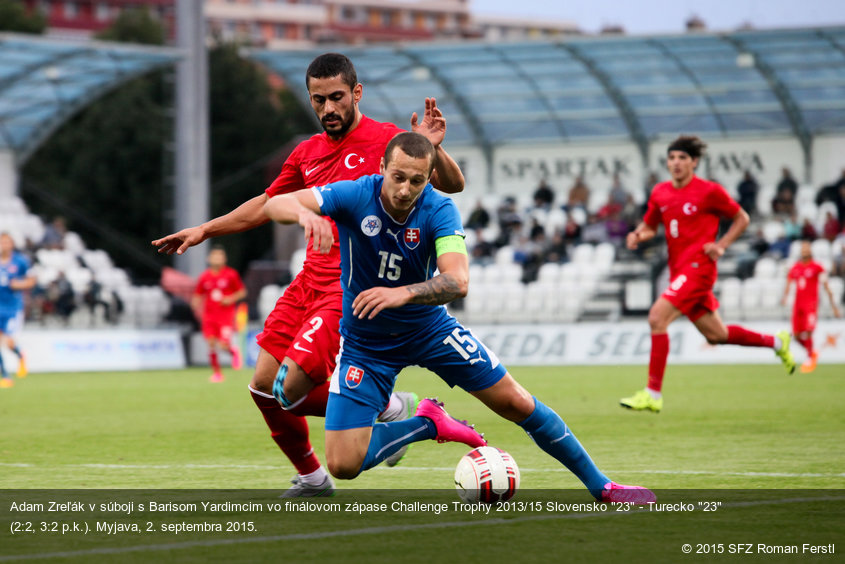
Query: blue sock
x,y
387,438
2,367
17,351
551,434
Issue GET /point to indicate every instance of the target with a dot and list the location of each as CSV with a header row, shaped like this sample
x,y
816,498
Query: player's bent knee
x,y
343,469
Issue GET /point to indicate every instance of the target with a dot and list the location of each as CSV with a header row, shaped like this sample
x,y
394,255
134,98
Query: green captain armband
x,y
450,244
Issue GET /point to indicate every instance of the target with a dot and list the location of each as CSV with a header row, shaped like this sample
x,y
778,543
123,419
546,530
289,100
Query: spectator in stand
x,y
555,250
831,227
784,200
571,232
832,193
808,231
649,185
60,295
616,226
747,190
792,227
544,196
54,234
479,218
579,195
530,253
841,204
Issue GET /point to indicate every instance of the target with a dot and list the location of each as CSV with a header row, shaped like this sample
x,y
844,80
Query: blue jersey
x,y
16,268
376,250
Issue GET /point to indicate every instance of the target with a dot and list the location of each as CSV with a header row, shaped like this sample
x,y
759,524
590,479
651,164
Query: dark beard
x,y
345,124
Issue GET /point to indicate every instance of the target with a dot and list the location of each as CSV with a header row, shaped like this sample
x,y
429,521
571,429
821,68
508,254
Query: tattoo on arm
x,y
440,290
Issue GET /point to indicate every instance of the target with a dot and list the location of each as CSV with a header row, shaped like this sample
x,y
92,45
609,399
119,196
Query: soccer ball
x,y
486,474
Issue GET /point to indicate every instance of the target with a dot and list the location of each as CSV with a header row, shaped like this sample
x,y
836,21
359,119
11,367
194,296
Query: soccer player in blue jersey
x,y
395,230
14,279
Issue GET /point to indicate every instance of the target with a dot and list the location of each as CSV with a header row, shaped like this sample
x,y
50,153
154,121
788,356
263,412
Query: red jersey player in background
x,y
807,273
217,293
689,209
301,336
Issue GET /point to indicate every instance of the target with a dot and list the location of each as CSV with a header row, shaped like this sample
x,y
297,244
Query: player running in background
x,y
300,336
807,273
395,231
218,291
14,279
689,209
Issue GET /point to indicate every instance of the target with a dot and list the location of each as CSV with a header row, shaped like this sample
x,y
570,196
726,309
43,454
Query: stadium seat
x,y
765,268
582,254
770,296
821,249
751,298
267,298
730,294
549,272
297,261
773,231
555,221
504,255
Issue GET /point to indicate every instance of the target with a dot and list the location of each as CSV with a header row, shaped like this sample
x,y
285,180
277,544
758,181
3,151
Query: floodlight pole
x,y
191,200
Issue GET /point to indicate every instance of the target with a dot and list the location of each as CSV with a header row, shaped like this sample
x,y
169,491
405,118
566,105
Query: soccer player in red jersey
x,y
689,209
217,293
300,338
807,273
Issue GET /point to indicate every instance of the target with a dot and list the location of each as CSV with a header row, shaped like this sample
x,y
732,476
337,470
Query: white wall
x,y
828,159
8,175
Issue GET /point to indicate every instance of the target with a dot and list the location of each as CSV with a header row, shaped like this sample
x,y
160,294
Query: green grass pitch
x,y
737,428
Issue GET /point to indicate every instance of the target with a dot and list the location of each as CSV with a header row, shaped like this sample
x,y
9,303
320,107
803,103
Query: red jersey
x,y
214,286
690,215
806,276
320,160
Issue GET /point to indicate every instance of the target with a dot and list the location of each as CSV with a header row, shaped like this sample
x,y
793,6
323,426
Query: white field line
x,y
369,531
417,469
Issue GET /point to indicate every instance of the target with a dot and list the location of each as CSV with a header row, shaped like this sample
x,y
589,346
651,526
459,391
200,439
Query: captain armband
x,y
450,244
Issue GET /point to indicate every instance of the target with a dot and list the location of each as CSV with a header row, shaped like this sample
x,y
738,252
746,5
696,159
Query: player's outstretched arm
x,y
786,291
641,234
447,176
836,312
301,207
452,283
716,249
248,215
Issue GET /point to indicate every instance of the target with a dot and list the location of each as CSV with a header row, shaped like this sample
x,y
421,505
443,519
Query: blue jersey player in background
x,y
14,279
395,231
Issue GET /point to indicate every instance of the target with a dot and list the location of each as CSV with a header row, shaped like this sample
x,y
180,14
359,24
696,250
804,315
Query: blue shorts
x,y
366,371
10,324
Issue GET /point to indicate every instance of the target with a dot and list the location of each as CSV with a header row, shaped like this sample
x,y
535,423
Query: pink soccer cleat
x,y
618,493
216,377
237,360
448,428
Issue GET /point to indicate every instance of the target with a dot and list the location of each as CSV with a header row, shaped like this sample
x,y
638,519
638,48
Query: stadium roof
x,y
44,82
789,82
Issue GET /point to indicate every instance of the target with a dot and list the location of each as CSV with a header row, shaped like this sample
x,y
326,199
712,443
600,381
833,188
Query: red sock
x,y
314,403
212,358
290,432
657,362
807,344
740,336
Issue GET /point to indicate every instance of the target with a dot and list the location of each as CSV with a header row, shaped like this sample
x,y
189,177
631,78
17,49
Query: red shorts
x,y
692,292
218,327
803,320
305,327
